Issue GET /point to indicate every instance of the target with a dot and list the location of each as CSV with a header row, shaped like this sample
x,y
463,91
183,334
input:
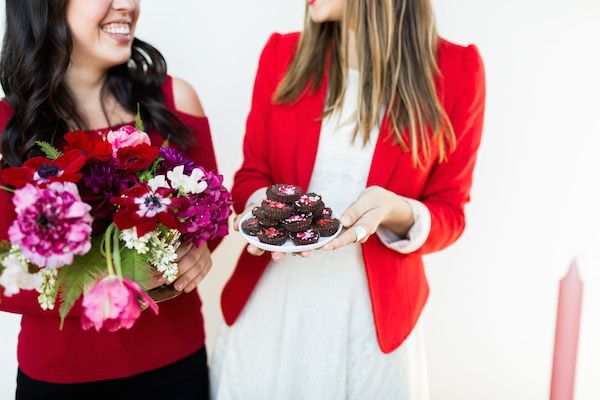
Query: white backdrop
x,y
490,319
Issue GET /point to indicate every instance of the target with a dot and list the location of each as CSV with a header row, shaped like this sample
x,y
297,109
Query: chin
x,y
320,16
113,60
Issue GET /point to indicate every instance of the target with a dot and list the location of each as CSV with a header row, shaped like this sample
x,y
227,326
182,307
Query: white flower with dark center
x,y
151,204
192,183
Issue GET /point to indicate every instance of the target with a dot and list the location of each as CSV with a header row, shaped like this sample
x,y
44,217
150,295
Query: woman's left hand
x,y
193,263
374,207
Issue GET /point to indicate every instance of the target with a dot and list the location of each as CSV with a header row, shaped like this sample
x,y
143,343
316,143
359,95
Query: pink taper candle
x,y
568,316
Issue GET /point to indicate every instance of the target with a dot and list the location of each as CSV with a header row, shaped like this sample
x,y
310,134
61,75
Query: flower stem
x,y
107,249
7,189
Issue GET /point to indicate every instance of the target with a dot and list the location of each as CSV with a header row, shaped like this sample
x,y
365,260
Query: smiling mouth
x,y
119,29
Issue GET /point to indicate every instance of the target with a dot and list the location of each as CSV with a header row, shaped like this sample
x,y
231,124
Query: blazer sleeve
x,y
448,186
255,170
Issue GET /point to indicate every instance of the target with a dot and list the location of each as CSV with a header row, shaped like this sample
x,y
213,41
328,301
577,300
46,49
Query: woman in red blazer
x,y
76,65
371,109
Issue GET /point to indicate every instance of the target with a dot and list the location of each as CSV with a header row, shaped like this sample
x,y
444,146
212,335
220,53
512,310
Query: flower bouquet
x,y
102,217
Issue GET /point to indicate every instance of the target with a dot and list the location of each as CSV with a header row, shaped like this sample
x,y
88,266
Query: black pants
x,y
186,379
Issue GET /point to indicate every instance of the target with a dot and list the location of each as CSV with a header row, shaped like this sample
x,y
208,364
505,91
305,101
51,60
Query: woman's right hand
x,y
255,251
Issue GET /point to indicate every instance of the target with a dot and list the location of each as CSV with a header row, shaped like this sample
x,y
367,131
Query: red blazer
x,y
280,146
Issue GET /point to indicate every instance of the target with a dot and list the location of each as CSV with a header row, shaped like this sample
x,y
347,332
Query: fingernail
x,y
178,286
345,220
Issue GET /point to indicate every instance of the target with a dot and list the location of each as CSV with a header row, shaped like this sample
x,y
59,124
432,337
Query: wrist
x,y
399,216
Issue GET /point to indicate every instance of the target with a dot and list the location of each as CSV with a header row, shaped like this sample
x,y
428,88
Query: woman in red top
x,y
75,65
369,108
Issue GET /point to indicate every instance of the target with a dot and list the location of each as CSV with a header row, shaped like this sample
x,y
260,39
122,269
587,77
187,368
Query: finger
x,y
356,210
347,237
188,262
278,256
189,275
195,281
255,251
236,221
183,250
306,253
368,221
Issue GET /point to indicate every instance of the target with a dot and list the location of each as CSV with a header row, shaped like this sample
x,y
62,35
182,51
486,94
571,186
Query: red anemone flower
x,y
90,144
42,170
143,209
137,158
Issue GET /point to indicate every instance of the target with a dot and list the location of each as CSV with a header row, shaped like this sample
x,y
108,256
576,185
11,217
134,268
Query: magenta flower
x,y
126,136
52,224
113,304
205,216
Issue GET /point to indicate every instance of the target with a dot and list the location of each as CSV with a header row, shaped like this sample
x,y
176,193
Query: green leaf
x,y
149,173
139,124
76,278
50,151
136,267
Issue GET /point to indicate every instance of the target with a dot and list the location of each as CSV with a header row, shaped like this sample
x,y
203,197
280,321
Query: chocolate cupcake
x,y
310,236
273,236
265,221
327,226
297,222
276,209
251,226
327,213
310,202
284,193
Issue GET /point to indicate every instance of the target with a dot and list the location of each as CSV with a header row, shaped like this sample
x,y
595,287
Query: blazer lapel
x,y
386,156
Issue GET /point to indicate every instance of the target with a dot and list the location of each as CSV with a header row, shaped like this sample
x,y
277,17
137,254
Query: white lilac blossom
x,y
48,288
15,276
132,241
162,253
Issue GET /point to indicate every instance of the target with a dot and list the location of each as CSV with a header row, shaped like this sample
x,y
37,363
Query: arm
x,y
194,263
449,184
255,172
440,217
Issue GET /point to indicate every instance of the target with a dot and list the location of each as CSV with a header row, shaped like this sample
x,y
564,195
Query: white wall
x,y
490,320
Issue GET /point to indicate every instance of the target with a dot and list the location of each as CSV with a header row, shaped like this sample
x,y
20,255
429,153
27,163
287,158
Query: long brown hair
x,y
36,53
396,43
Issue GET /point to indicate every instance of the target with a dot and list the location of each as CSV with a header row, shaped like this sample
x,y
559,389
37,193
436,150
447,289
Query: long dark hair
x,y
35,56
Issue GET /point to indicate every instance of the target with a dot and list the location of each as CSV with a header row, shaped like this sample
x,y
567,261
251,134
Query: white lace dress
x,y
307,331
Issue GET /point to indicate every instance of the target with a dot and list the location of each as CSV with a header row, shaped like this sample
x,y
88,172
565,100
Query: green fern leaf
x,y
50,151
136,267
76,278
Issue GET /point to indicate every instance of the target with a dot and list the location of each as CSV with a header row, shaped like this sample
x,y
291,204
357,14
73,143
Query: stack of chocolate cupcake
x,y
289,213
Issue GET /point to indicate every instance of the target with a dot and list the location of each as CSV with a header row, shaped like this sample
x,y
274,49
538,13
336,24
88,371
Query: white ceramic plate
x,y
288,246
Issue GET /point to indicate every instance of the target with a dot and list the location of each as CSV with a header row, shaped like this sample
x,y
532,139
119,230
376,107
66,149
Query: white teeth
x,y
117,29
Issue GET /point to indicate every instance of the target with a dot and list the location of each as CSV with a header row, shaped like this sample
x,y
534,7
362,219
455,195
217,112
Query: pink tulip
x,y
113,304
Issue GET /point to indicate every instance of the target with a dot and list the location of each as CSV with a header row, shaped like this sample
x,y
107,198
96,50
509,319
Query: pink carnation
x,y
126,136
113,304
52,224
